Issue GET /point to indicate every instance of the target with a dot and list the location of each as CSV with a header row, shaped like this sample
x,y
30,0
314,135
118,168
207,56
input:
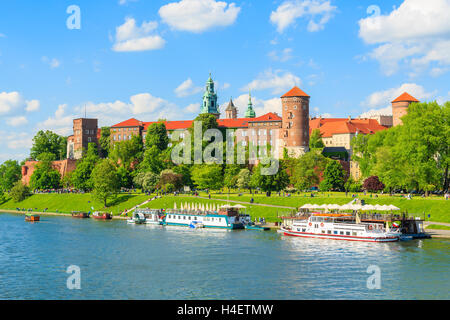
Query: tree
x,y
185,172
308,170
45,176
373,184
10,172
333,177
170,177
49,142
125,179
128,153
153,160
231,175
315,140
19,191
146,180
269,183
105,181
243,179
207,176
104,142
81,176
157,136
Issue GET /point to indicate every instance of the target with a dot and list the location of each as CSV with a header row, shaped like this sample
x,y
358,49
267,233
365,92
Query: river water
x,y
120,261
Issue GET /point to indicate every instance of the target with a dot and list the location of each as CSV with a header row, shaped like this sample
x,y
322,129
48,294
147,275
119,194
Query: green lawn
x,y
437,208
65,203
438,227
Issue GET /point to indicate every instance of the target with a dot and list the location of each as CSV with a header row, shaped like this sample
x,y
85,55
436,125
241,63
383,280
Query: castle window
x,y
295,107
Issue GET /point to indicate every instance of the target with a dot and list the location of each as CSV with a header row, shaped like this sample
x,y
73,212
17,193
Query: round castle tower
x,y
400,107
294,132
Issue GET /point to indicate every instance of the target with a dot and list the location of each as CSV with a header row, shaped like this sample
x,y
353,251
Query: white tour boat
x,y
227,218
337,227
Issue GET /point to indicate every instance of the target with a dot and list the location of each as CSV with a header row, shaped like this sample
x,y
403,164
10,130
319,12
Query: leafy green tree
x,y
315,140
104,142
44,175
269,183
125,179
19,191
10,172
81,176
49,142
153,160
243,179
333,177
168,176
106,183
128,153
157,136
146,180
231,175
207,176
308,170
185,172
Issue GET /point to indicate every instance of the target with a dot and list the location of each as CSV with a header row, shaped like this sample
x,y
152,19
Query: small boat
x,y
152,216
137,218
80,215
253,226
30,217
196,225
102,215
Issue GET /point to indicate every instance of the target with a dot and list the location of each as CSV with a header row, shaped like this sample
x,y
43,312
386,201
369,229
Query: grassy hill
x,y
65,203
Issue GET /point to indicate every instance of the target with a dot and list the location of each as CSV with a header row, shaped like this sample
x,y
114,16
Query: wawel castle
x,y
289,131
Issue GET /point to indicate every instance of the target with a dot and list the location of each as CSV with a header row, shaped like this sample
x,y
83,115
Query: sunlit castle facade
x,y
287,133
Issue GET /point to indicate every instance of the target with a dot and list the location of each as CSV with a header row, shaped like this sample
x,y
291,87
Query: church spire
x,y
210,99
250,113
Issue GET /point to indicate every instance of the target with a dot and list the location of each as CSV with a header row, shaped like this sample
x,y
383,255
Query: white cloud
x,y
61,123
17,121
283,56
53,63
32,105
193,108
289,11
383,98
124,2
14,141
414,34
146,103
387,111
187,88
198,15
9,101
260,106
277,81
130,37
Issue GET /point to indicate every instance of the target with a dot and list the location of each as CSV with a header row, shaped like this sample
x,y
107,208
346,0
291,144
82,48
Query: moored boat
x,y
102,215
226,218
253,226
322,226
31,217
137,218
152,216
80,214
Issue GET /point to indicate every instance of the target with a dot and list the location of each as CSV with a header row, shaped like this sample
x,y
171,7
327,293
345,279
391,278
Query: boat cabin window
x,y
347,233
329,231
323,231
353,233
335,232
189,218
342,232
304,230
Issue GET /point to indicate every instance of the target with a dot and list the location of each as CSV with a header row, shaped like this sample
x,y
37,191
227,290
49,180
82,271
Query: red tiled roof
x,y
329,127
295,92
267,117
405,96
234,123
129,123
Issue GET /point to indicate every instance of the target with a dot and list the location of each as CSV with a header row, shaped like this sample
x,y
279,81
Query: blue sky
x,y
151,59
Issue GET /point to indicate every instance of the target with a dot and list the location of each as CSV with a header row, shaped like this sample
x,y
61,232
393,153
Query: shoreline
x,y
435,233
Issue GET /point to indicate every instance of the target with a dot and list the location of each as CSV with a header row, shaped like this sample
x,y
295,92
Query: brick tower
x,y
84,132
400,107
294,132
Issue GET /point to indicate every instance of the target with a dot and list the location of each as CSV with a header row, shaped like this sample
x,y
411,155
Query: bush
x,y
19,192
169,187
373,184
